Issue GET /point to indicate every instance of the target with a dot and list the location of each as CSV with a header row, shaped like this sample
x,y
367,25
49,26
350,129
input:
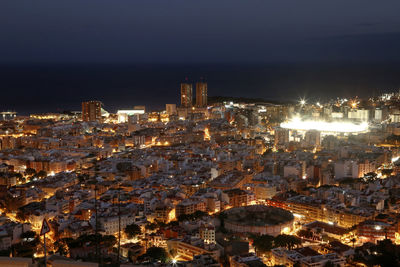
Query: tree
x,y
82,177
42,174
263,243
353,240
388,254
173,252
329,264
172,223
108,240
123,166
30,171
199,214
61,247
222,216
21,216
191,217
151,226
370,176
132,230
305,233
287,241
157,254
387,172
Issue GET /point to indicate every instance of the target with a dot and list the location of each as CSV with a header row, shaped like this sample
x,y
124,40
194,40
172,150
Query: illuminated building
x,y
378,115
52,116
394,118
170,109
313,139
164,214
186,95
359,114
189,206
201,94
236,197
123,115
231,179
319,229
307,258
281,137
245,260
207,233
8,115
313,210
187,250
110,221
373,231
17,261
354,168
91,111
154,117
295,169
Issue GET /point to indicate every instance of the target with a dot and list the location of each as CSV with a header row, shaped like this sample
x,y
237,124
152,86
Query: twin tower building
x,y
187,95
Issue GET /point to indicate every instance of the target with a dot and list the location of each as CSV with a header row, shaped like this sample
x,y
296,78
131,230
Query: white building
x,y
123,115
170,109
359,114
207,233
346,168
110,223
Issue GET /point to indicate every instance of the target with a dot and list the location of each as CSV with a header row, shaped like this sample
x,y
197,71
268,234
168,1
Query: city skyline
x,y
231,133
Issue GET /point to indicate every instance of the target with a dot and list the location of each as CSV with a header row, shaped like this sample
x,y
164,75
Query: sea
x,y
39,88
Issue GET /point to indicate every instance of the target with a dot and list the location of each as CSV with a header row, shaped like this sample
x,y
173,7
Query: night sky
x,y
364,34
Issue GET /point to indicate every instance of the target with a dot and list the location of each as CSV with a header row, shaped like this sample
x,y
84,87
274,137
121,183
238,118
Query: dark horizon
x,y
58,87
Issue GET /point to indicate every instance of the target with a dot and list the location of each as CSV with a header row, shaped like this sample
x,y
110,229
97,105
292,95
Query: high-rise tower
x,y
186,95
201,94
91,111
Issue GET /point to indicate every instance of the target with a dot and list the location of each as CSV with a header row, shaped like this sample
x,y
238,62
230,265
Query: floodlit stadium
x,y
324,126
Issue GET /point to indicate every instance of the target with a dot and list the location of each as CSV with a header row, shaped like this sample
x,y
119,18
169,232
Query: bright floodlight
x,y
302,102
323,126
173,261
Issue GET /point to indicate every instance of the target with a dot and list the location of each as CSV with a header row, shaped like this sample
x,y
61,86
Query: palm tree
x,y
353,240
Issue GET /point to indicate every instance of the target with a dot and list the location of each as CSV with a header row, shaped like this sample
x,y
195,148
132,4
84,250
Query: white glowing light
x,y
123,115
395,159
324,126
174,261
378,228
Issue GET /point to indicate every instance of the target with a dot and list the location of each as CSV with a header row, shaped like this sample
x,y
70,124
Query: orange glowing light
x,y
206,134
